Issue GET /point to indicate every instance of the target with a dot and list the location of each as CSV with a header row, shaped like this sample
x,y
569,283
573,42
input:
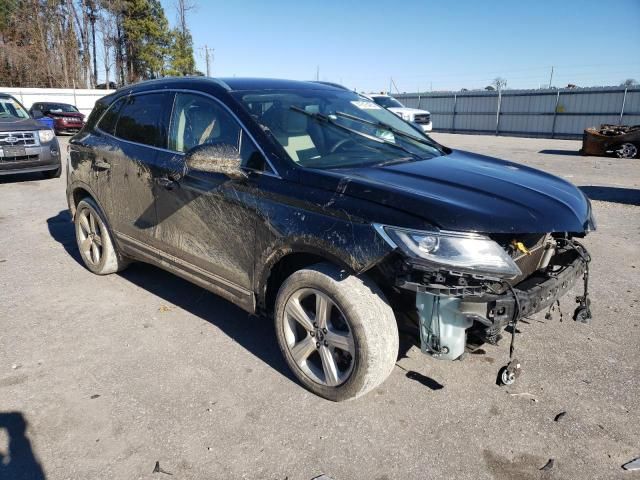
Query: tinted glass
x,y
109,120
251,156
199,120
145,119
59,108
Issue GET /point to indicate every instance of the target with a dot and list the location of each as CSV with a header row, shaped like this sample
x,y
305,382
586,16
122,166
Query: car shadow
x,y
256,334
575,153
19,462
627,196
62,231
21,178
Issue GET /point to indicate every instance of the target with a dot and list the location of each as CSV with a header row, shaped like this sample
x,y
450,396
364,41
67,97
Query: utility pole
x,y
317,73
206,57
92,20
551,77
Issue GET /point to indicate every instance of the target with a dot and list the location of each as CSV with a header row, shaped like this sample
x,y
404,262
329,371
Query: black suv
x,y
310,204
26,145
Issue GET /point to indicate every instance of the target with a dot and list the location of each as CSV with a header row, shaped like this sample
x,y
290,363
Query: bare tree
x,y
629,82
183,7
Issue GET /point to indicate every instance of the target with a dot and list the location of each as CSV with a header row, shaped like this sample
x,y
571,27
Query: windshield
x,y
333,129
388,102
9,107
59,108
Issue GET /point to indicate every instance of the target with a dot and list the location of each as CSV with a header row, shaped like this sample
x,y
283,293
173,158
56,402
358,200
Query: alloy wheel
x,y
627,150
318,337
90,236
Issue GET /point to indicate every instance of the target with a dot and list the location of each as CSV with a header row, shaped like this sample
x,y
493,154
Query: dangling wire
x,y
514,319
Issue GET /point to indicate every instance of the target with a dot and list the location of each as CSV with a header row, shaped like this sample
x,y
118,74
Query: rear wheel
x,y
94,240
336,331
627,150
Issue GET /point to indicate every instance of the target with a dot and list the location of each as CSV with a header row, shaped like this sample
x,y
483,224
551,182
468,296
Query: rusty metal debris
x,y
622,141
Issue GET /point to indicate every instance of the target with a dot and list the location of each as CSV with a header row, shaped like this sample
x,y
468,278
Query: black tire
x,y
52,173
89,219
627,150
371,324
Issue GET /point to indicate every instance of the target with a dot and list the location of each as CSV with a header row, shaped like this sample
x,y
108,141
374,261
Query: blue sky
x,y
421,44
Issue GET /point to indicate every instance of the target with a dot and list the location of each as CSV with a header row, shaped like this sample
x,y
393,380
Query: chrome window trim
x,y
273,173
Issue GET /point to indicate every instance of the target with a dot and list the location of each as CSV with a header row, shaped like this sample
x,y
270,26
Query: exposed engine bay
x,y
456,312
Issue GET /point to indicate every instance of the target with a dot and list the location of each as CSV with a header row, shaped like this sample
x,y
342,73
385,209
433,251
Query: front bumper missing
x,y
474,306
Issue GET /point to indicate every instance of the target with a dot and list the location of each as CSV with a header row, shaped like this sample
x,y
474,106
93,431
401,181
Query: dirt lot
x,y
112,374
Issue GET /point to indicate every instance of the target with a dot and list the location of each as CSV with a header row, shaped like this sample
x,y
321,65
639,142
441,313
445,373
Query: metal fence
x,y
558,113
83,99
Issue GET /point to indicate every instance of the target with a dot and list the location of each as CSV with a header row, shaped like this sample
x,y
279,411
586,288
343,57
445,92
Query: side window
x,y
199,120
251,156
144,119
108,122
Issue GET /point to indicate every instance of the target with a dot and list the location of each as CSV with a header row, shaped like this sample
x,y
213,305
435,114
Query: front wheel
x,y
337,332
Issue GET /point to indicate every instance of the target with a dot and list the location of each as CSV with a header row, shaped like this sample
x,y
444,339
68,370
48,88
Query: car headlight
x,y
457,251
407,116
45,135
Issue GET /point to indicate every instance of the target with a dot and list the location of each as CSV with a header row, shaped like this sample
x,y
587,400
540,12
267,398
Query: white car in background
x,y
421,118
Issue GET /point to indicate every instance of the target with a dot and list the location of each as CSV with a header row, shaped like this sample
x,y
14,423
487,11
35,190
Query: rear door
x,y
140,134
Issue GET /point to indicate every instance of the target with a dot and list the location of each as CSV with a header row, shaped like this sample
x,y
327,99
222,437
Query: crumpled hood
x,y
20,125
469,192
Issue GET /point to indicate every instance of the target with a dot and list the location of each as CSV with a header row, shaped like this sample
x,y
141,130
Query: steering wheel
x,y
339,144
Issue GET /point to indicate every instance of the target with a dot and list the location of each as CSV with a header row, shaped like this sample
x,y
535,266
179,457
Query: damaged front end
x,y
469,287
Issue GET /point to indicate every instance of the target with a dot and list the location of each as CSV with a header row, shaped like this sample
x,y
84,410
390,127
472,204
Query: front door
x,y
205,220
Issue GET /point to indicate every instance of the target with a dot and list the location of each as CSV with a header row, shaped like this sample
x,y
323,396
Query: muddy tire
x,y
337,331
94,239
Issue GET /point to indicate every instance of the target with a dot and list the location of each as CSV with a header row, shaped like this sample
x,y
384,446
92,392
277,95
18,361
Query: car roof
x,y
230,84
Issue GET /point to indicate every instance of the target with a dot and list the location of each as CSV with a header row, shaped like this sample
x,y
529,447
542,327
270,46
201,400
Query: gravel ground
x,y
110,375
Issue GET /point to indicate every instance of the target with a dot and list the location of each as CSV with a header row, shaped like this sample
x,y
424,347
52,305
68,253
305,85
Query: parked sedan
x,y
66,117
314,206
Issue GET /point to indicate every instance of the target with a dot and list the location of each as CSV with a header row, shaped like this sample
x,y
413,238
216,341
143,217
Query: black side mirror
x,y
36,114
217,158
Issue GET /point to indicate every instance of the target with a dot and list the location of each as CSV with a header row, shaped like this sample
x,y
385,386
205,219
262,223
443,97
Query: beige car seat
x,y
291,129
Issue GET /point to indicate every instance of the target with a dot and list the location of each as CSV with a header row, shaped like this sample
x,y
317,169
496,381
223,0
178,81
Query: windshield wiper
x,y
389,128
319,117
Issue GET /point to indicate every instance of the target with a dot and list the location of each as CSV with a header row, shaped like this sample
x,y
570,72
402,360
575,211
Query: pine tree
x,y
181,60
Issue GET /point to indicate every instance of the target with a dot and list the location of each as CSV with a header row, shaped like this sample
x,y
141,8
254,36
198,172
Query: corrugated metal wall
x,y
562,113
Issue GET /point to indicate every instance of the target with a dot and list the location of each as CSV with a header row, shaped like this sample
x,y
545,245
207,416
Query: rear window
x,y
144,119
108,122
